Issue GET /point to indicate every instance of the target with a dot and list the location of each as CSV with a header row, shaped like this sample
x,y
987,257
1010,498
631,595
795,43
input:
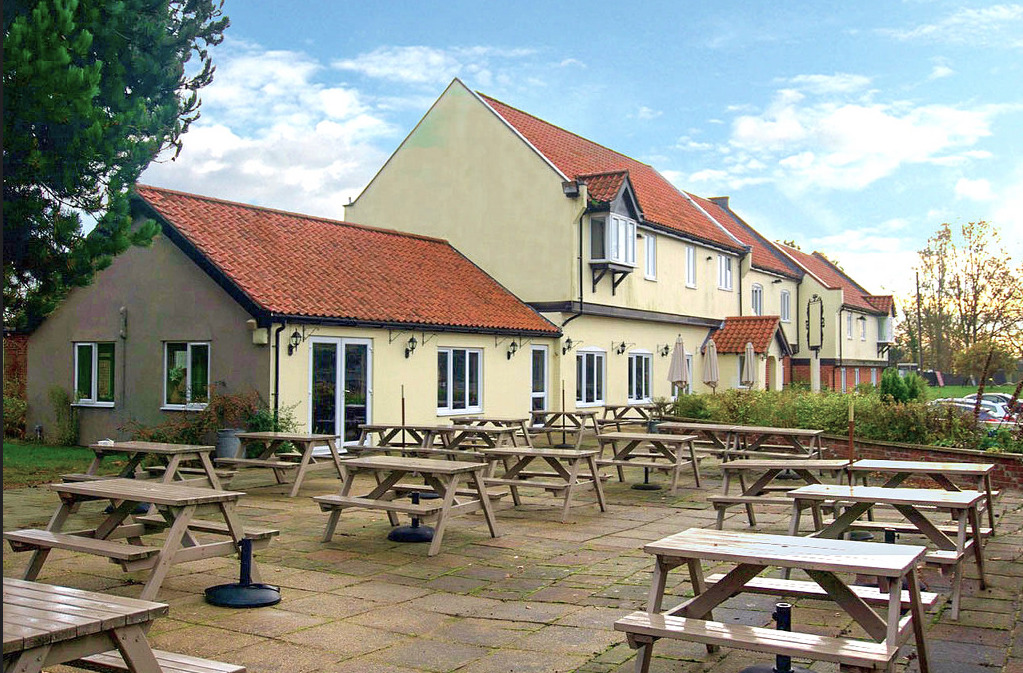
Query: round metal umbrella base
x,y
787,474
243,595
413,533
646,486
768,668
860,535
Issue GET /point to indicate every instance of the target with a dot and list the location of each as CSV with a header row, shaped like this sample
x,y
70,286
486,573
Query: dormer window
x,y
758,299
613,239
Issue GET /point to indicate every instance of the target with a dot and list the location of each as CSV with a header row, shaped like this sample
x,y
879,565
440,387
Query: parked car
x,y
992,415
1003,398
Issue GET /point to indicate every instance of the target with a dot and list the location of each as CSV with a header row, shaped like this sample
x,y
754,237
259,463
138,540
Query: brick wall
x,y
15,359
831,376
1008,466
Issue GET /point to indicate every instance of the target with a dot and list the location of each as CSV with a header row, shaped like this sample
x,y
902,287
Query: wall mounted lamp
x,y
776,281
569,345
620,348
294,341
664,350
513,348
410,347
710,257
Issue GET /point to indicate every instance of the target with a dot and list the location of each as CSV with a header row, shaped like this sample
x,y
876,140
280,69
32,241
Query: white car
x,y
999,398
992,415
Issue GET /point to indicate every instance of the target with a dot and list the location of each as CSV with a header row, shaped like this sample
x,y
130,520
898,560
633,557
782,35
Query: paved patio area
x,y
541,598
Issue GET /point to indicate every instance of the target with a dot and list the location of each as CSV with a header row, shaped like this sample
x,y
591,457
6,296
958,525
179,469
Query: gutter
x,y
277,368
580,258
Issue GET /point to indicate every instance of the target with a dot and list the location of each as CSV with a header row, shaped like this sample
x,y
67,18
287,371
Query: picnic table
x,y
676,452
519,423
565,478
940,472
174,459
305,443
627,414
824,560
177,506
398,436
443,477
482,436
763,489
47,625
907,502
567,423
734,441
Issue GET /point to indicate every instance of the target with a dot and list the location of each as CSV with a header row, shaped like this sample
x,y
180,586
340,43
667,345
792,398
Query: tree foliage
x,y
94,90
971,292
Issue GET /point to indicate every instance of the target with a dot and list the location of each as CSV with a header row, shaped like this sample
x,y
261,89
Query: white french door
x,y
340,388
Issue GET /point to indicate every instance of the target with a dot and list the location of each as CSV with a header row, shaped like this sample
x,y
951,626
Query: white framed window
x,y
873,376
589,378
94,373
640,376
863,328
786,305
538,363
690,266
724,272
882,329
186,374
613,239
843,372
848,326
757,299
650,257
459,380
742,366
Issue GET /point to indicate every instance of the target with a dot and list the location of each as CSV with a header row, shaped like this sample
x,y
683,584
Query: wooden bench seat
x,y
198,471
644,627
408,489
332,502
81,476
257,462
170,662
748,499
215,527
651,464
532,483
31,539
903,527
806,589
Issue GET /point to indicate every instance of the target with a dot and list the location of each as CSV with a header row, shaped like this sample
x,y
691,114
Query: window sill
x,y
585,405
691,287
94,405
460,412
653,278
724,289
180,407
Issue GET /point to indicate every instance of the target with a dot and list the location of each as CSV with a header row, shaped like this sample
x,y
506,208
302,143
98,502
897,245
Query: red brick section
x,y
882,302
298,265
833,278
739,330
765,255
16,360
1008,466
831,376
576,156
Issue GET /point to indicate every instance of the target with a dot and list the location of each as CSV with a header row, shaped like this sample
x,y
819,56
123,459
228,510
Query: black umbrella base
x,y
787,475
770,668
411,534
243,595
646,486
860,536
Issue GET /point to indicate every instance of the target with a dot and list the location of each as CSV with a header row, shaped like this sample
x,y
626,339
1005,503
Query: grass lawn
x,y
934,393
27,463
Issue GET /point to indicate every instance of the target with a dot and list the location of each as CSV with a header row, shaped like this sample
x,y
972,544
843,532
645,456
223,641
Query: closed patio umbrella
x,y
710,364
748,376
678,372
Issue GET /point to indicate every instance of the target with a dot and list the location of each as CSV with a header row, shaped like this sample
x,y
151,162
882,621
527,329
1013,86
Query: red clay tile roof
x,y
298,265
604,187
740,330
882,302
575,156
853,294
766,257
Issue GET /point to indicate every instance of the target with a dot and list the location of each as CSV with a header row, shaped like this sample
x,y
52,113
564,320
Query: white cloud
x,y
276,131
1007,216
880,263
976,190
825,84
941,71
431,66
646,113
986,26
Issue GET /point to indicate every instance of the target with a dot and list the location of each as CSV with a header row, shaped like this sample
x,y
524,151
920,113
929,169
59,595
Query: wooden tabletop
x,y
286,436
890,496
970,469
151,447
785,464
631,405
144,490
492,419
484,430
789,552
378,427
37,614
763,429
429,465
539,452
645,437
708,427
577,412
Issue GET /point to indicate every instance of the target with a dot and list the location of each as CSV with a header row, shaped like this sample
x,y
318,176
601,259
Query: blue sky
x,y
853,128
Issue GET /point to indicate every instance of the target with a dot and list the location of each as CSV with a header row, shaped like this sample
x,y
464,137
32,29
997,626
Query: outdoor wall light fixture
x,y
664,350
513,348
620,348
294,341
710,257
776,281
410,347
569,345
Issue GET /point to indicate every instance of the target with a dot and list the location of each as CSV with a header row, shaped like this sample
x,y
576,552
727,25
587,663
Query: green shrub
x,y
15,408
916,387
893,386
690,406
65,417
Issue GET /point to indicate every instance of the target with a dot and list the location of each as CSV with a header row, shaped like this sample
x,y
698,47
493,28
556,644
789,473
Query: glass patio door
x,y
340,393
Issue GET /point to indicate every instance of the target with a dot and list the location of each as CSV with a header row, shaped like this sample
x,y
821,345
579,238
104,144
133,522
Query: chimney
x,y
721,201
